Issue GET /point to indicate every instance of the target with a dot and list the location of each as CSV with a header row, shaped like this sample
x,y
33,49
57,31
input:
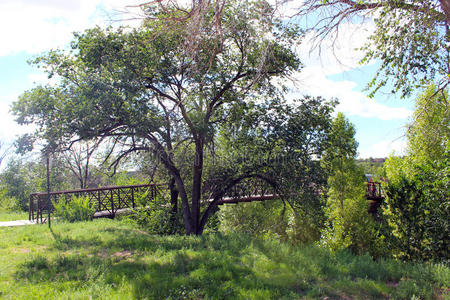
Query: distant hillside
x,y
372,165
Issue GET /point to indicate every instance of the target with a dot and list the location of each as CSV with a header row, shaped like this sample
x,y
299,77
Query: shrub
x,y
6,202
349,225
258,219
156,216
77,209
417,210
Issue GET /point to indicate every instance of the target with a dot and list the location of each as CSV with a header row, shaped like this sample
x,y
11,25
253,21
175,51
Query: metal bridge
x,y
109,201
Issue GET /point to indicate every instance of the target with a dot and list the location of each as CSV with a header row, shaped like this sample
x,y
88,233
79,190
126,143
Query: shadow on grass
x,y
153,266
214,266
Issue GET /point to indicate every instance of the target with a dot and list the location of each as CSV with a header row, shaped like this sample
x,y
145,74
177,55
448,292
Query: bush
x,y
258,219
349,225
156,216
353,228
6,202
417,209
77,209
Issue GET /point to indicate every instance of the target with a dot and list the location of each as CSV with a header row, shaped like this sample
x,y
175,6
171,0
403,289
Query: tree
x,y
141,88
78,160
348,223
428,137
23,176
411,38
282,142
339,159
417,203
418,208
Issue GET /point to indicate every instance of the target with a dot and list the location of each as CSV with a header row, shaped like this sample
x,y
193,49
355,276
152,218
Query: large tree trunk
x,y
197,186
445,5
175,173
173,202
188,221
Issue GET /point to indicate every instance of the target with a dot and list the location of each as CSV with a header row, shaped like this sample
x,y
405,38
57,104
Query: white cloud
x,y
336,55
313,81
35,26
338,52
385,148
9,129
38,78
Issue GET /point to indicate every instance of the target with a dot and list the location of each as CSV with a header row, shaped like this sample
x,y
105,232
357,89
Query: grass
x,y
12,215
108,259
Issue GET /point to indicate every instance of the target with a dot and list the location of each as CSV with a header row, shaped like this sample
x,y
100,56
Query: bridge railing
x,y
374,191
106,199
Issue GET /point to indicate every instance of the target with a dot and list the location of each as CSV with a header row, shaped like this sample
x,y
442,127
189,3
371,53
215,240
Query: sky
x,y
31,27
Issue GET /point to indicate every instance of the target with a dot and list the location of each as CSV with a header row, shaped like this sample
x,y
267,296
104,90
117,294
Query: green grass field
x,y
12,216
113,260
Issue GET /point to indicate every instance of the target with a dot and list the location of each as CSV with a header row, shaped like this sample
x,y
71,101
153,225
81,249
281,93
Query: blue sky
x,y
31,27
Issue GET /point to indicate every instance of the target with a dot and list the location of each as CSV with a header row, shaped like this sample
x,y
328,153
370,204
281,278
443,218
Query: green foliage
x,y
373,166
17,182
418,208
165,86
418,195
114,260
280,143
429,134
341,143
7,203
23,176
348,224
411,41
157,216
270,220
258,219
74,210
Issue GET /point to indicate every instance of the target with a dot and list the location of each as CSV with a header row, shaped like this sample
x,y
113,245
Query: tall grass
x,y
107,259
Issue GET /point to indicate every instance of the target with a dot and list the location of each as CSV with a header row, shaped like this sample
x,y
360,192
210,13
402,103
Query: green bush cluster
x,y
418,209
269,219
8,203
77,209
156,216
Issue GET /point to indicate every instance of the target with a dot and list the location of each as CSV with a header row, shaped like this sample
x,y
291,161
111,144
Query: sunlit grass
x,y
12,215
107,259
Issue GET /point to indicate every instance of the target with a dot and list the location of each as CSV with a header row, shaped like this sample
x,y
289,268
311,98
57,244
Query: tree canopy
x,y
147,92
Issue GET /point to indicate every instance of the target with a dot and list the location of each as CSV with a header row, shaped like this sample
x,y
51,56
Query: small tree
x,y
348,223
78,159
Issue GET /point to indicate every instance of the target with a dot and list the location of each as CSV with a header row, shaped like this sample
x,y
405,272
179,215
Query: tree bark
x,y
175,173
197,186
445,5
173,202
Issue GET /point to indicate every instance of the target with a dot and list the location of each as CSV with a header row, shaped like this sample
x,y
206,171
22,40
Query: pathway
x,y
16,223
